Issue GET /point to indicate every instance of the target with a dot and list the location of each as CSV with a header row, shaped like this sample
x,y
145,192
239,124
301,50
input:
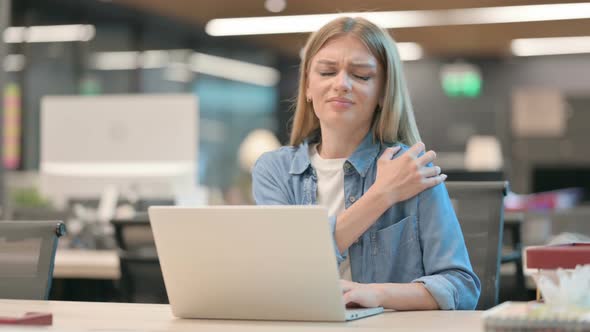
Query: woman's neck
x,y
338,144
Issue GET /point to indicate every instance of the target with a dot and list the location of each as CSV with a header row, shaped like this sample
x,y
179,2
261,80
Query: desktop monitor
x,y
556,177
144,144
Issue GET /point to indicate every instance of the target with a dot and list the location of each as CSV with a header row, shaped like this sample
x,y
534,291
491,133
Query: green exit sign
x,y
461,80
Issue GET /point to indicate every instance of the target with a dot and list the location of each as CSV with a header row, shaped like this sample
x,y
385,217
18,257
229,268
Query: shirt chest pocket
x,y
398,238
398,255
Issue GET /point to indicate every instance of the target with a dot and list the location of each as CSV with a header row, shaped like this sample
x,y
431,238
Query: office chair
x,y
141,275
466,175
480,209
27,254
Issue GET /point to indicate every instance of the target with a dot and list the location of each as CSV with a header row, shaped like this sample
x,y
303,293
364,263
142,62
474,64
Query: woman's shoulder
x,y
277,160
400,144
403,148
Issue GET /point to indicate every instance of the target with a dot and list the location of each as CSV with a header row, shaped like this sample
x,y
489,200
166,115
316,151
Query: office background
x,y
231,109
152,47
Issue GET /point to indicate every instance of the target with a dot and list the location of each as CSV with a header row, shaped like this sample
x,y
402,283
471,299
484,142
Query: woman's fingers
x,y
415,150
408,175
362,295
350,298
426,158
390,152
430,171
434,180
346,285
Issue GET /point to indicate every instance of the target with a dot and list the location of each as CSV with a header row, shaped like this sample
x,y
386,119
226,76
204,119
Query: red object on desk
x,y
565,256
29,318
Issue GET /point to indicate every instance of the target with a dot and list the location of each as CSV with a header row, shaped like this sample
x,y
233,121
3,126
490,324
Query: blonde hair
x,y
395,122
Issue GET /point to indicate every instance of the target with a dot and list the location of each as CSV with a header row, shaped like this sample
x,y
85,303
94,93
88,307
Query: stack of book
x,y
534,316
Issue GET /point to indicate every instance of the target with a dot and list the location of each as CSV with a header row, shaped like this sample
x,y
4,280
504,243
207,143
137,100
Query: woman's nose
x,y
342,81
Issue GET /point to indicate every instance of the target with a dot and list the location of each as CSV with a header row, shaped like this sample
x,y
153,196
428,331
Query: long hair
x,y
394,121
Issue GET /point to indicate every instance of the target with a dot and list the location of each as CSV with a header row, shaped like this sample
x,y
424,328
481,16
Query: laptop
x,y
250,262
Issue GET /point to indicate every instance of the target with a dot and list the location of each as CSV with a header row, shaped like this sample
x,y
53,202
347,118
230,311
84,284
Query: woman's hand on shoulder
x,y
407,175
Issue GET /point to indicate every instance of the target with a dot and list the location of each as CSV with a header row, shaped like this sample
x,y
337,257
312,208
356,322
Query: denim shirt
x,y
417,240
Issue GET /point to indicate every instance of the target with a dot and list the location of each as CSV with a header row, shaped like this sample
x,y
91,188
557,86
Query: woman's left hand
x,y
360,295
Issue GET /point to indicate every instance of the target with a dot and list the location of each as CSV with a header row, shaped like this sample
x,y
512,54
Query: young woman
x,y
397,239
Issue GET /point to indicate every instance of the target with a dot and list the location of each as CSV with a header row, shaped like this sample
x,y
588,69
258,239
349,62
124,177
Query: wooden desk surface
x,y
105,317
86,264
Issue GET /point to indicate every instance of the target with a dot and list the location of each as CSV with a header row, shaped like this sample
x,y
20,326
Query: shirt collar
x,y
300,161
364,155
361,159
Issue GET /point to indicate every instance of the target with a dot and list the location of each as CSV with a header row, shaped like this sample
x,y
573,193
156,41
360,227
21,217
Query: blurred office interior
x,y
501,91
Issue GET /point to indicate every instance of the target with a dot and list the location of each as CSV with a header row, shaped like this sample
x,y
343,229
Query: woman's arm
x,y
449,276
449,282
397,180
412,296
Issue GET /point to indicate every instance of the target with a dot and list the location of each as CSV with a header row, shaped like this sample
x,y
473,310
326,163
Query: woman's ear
x,y
307,93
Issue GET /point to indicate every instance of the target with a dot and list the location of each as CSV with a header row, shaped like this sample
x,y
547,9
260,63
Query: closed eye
x,y
364,78
327,73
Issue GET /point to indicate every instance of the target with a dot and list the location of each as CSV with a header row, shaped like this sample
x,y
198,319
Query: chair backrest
x,y
27,253
134,234
480,210
141,275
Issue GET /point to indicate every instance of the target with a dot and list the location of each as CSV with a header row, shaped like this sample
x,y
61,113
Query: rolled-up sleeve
x,y
449,276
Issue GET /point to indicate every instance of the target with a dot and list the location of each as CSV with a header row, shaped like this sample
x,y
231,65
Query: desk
x,y
85,275
105,317
92,264
86,264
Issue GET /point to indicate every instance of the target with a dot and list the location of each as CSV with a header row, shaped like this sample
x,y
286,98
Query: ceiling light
x,y
409,51
49,33
400,19
178,72
234,70
154,59
550,46
275,6
175,62
115,60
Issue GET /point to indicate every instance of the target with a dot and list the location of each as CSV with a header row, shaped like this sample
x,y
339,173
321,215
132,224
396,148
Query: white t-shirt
x,y
330,193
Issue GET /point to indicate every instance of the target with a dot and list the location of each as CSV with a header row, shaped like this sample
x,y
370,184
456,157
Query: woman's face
x,y
345,84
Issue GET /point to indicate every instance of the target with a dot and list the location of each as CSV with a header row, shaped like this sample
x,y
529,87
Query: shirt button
x,y
352,199
346,167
